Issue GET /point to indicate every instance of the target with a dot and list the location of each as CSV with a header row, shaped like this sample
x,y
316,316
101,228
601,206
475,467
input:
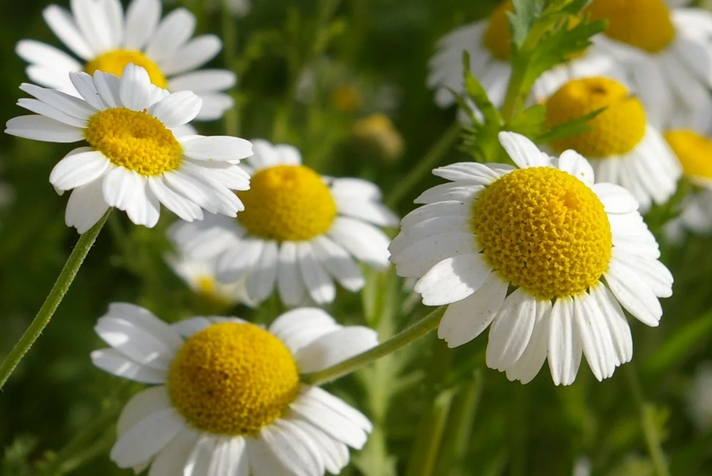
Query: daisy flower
x,y
666,51
541,256
228,399
622,146
133,160
694,150
103,38
299,231
200,276
488,44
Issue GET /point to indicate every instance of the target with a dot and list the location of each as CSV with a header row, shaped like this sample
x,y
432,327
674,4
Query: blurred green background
x,y
308,71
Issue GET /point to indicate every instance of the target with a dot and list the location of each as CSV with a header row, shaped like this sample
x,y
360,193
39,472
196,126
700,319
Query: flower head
x,y
539,254
105,38
228,399
622,146
133,160
299,231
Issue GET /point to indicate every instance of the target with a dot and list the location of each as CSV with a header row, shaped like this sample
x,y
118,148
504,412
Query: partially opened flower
x,y
229,400
622,146
133,160
694,150
105,39
488,44
299,231
541,256
665,50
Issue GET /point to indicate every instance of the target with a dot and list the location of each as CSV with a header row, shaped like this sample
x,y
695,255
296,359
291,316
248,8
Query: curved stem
x,y
424,166
411,334
55,296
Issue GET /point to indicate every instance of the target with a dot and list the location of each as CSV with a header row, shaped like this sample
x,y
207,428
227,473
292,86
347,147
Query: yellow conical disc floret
x,y
544,230
115,61
694,152
645,24
233,379
497,37
616,130
134,140
287,203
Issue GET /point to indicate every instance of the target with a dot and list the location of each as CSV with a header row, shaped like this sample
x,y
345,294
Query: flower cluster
x,y
541,240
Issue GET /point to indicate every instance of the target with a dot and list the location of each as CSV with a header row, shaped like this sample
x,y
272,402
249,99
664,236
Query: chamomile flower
x,y
488,44
665,50
200,276
228,399
133,160
104,38
523,251
622,146
694,150
299,231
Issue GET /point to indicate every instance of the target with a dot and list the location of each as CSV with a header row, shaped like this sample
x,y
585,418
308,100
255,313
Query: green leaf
x,y
526,14
568,129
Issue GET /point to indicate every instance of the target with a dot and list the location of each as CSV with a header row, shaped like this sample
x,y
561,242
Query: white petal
x,y
591,330
338,263
453,279
564,345
43,129
522,151
214,106
238,261
86,88
43,109
42,54
205,80
142,18
109,88
116,363
181,206
334,453
464,320
372,212
511,330
173,32
193,189
531,361
635,296
93,24
469,173
289,281
216,148
63,26
78,169
261,280
335,347
262,460
615,199
177,109
617,323
64,102
146,438
350,187
432,210
329,421
85,207
449,191
194,54
366,242
140,406
574,163
338,405
134,88
293,448
300,327
318,283
443,225
171,460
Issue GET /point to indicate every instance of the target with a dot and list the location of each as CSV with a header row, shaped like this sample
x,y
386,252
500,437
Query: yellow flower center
x,y
616,130
114,62
694,152
134,140
206,285
497,37
233,379
544,230
287,203
346,98
645,24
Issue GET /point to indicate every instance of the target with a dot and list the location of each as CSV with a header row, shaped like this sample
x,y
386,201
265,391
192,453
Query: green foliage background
x,y
436,411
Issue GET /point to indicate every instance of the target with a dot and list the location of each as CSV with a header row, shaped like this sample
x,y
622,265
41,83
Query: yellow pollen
x,y
346,98
233,379
287,203
497,37
616,130
134,140
645,24
544,230
694,152
114,62
206,285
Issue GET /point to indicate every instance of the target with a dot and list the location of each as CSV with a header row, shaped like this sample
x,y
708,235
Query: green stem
x,y
430,436
647,417
411,334
424,166
74,262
